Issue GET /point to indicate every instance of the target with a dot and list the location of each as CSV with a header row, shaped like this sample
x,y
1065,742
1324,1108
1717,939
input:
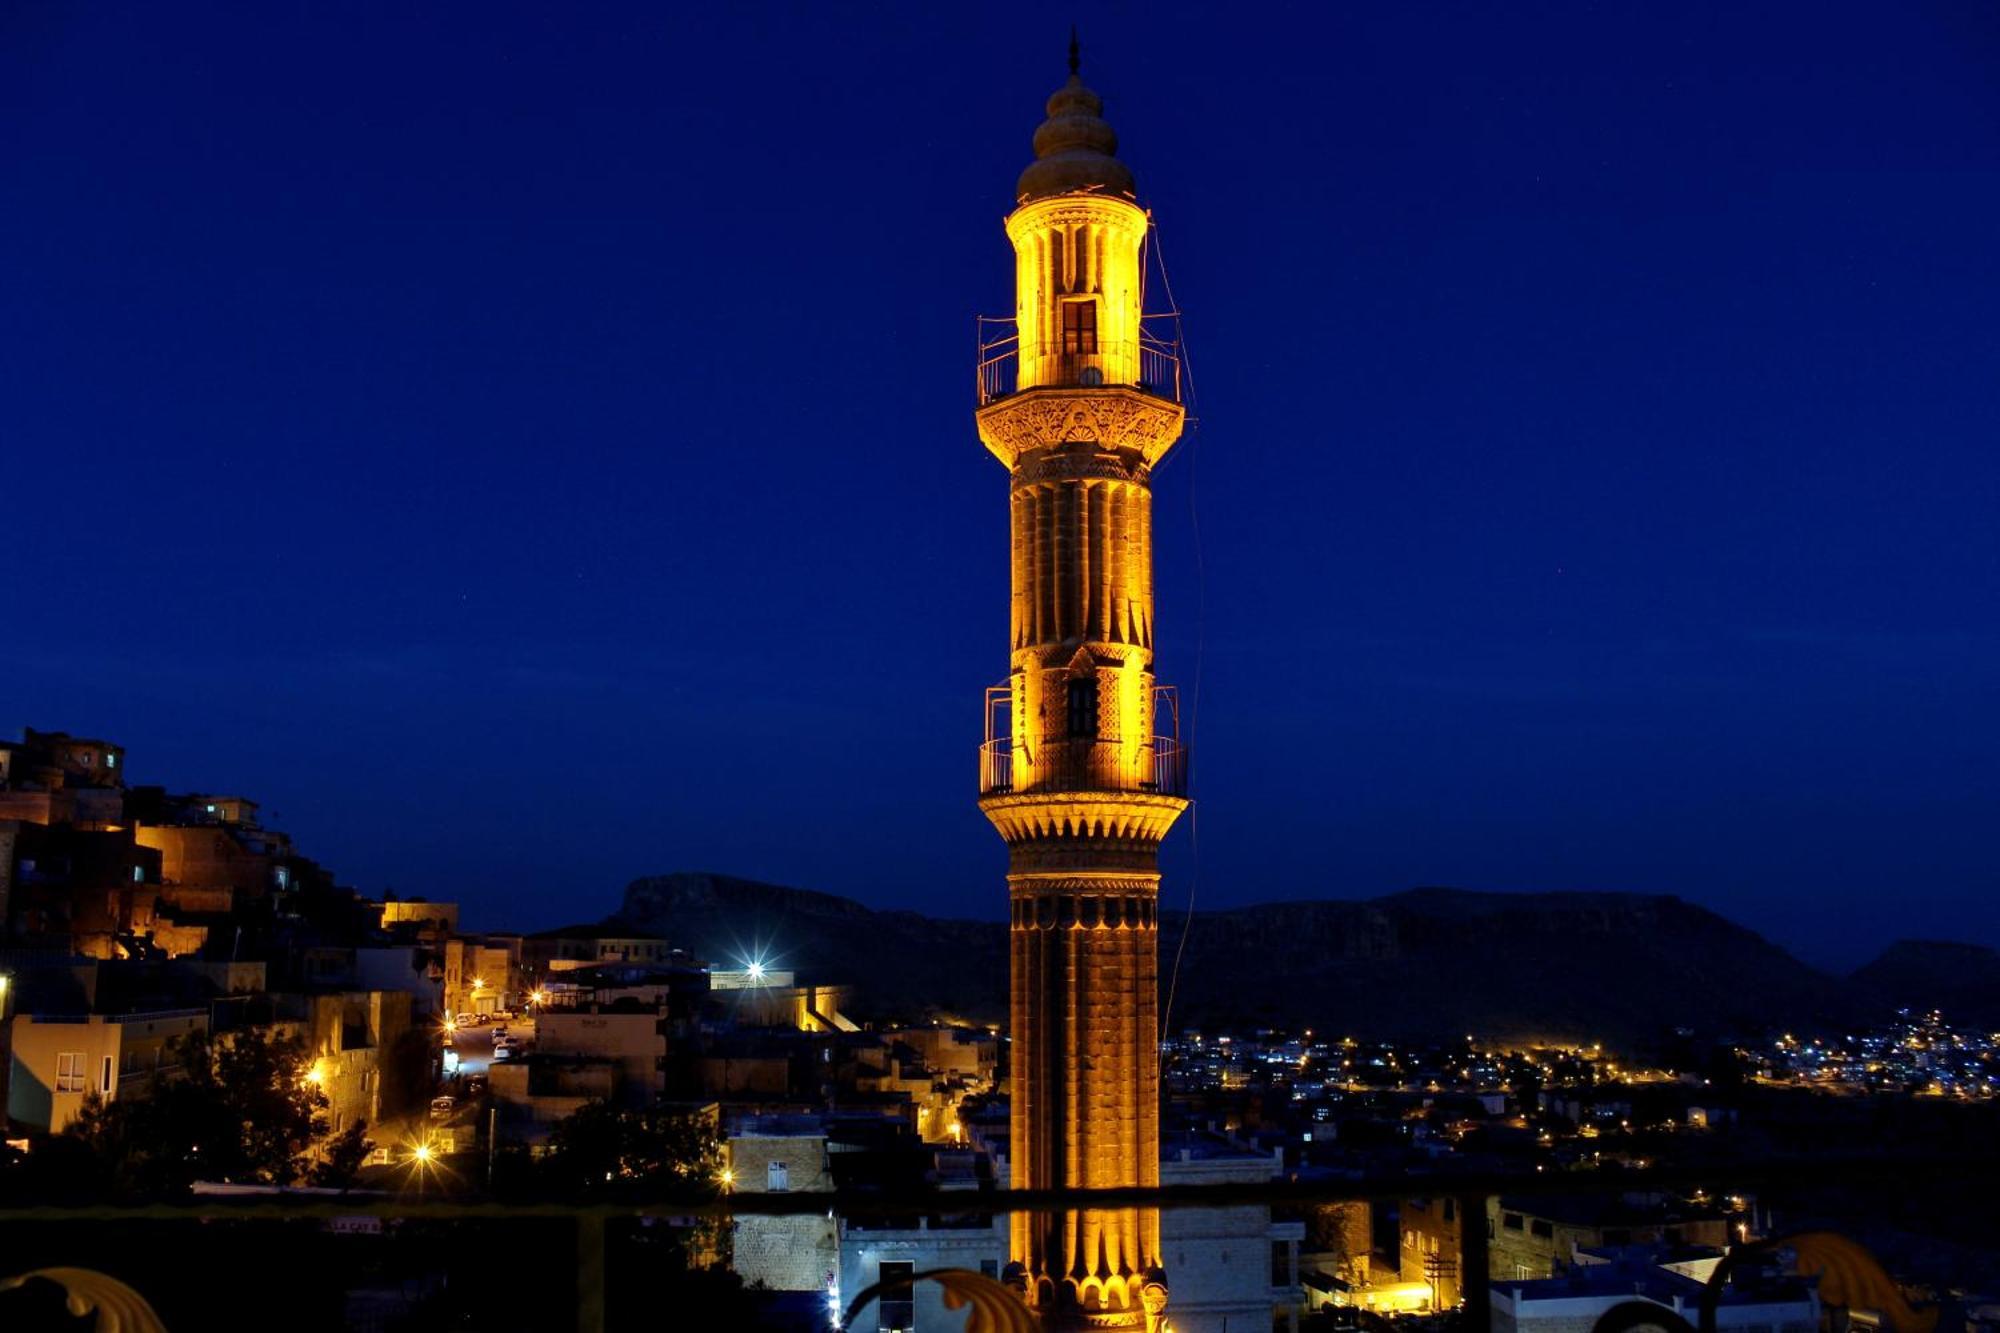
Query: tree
x,y
605,1149
241,1112
340,1158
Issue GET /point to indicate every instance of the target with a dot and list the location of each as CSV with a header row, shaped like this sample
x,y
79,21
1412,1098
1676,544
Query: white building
x,y
1575,1302
1229,1269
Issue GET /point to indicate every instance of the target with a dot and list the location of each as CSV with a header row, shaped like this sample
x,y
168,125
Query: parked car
x,y
442,1107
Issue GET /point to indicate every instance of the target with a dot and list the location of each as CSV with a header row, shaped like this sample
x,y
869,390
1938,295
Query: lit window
x,y
138,874
777,1176
211,809
1079,328
897,1302
111,761
69,1071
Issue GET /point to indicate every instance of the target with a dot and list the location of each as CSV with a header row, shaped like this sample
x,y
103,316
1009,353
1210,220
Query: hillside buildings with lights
x,y
132,917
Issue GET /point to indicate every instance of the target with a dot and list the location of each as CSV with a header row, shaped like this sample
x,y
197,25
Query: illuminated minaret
x,y
1082,772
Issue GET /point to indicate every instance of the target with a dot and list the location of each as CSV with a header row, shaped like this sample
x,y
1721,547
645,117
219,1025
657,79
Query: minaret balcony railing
x,y
1158,766
999,363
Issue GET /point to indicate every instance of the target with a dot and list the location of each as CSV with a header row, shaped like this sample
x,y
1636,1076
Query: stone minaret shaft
x,y
1079,782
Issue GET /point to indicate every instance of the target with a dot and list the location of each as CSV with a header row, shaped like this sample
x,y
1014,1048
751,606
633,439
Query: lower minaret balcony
x,y
1157,767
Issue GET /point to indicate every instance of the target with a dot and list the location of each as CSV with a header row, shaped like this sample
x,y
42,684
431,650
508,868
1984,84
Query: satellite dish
x,y
1091,377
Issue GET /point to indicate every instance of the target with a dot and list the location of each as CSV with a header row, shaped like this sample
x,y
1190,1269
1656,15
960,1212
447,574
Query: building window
x,y
1079,328
898,1300
1281,1264
106,1088
69,1071
138,874
1546,1230
1512,1221
1083,707
777,1177
989,1268
111,761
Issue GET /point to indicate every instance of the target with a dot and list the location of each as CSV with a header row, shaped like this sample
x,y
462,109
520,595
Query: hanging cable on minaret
x,y
1082,772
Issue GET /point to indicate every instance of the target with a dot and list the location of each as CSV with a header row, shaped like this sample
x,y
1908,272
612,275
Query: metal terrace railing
x,y
579,1262
1157,766
1157,357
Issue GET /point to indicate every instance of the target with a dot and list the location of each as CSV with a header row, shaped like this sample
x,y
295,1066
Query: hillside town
x,y
140,922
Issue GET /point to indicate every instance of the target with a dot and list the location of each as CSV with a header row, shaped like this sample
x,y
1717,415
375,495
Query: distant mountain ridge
x,y
1422,963
1961,979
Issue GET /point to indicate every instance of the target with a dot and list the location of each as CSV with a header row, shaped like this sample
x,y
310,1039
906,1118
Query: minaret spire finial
x,y
1075,51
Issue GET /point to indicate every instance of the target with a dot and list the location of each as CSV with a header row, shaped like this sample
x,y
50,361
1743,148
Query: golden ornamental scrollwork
x,y
119,1309
994,1308
1113,417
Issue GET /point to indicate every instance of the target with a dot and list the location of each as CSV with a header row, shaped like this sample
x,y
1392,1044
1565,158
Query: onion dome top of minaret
x,y
1075,151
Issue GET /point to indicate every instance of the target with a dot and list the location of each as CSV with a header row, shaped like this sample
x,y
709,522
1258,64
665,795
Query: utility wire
x,y
1201,629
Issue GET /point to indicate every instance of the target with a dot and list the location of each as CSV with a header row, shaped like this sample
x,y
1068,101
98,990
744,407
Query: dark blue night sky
x,y
531,446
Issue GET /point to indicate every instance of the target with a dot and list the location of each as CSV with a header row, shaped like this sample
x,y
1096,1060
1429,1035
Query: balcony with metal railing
x,y
1156,356
1157,767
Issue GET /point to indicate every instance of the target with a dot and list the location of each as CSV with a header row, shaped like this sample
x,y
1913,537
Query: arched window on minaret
x,y
1083,707
1079,326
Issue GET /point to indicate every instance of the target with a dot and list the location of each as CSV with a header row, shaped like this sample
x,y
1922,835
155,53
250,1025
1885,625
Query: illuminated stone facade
x,y
1079,781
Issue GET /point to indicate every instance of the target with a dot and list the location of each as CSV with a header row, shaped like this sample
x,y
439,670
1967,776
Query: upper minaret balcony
x,y
1079,325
